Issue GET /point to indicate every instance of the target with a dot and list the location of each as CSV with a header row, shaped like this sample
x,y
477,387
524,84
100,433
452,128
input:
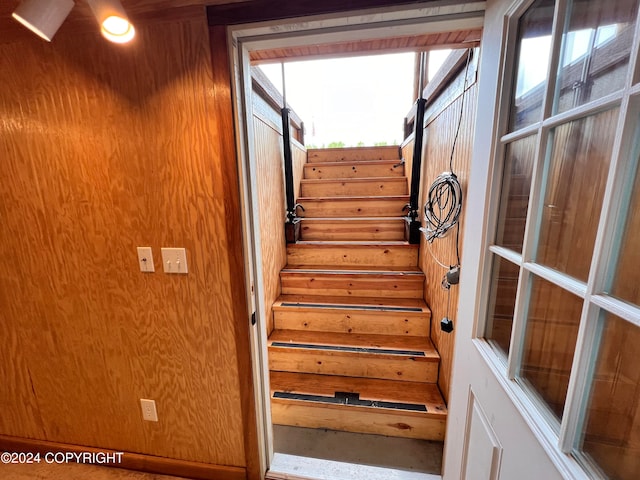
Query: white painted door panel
x,y
524,456
482,449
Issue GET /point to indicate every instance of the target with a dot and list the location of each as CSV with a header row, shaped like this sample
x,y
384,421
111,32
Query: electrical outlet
x,y
149,411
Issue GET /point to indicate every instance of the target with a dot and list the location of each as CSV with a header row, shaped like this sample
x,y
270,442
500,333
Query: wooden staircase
x,y
350,349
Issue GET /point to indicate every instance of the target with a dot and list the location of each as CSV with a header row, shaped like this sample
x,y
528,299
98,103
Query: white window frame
x,y
559,439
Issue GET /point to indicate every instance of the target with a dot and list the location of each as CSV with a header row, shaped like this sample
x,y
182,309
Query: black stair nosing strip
x,y
353,307
349,272
350,400
343,348
401,197
350,243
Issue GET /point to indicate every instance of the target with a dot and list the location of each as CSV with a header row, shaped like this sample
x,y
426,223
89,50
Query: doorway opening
x,y
297,440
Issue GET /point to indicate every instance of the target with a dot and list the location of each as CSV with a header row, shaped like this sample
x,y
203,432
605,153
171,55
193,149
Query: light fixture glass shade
x,y
43,17
114,23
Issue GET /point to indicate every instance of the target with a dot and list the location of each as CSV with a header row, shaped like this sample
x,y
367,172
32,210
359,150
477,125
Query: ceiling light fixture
x,y
114,23
43,17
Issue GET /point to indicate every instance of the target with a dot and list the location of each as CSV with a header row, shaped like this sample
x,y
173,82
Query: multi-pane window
x,y
563,305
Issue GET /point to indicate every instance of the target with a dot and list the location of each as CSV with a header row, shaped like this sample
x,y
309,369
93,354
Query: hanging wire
x,y
444,200
434,256
464,94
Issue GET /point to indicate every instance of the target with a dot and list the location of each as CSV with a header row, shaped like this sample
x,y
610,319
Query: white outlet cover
x,y
149,411
145,260
174,260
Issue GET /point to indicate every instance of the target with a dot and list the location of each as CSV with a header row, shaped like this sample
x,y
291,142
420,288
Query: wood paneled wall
x,y
299,155
267,125
105,148
441,123
272,214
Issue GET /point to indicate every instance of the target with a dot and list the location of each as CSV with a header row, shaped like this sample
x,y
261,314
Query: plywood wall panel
x,y
106,148
407,155
272,214
299,155
438,140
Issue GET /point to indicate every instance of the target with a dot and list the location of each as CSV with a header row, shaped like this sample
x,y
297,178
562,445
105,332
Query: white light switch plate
x,y
145,259
174,260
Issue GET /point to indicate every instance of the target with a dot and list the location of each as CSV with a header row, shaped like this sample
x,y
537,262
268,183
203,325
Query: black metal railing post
x,y
412,226
292,224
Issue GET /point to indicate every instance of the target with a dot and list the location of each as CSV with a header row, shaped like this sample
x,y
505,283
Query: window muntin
x,y
596,45
611,431
577,174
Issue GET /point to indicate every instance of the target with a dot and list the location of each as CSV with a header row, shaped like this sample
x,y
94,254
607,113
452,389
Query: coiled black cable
x,y
444,201
443,207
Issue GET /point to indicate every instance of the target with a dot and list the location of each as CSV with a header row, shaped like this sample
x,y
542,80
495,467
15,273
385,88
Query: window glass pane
x,y
534,49
596,45
550,341
576,178
516,183
626,281
502,302
611,435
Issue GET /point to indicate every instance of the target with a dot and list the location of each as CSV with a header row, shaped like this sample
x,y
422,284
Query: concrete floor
x,y
415,457
375,450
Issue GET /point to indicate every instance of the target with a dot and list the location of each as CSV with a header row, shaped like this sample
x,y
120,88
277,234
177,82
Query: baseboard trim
x,y
130,461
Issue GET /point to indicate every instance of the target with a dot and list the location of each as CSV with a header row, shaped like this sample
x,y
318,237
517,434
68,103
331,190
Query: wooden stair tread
x,y
427,394
382,303
382,342
359,315
354,206
387,152
358,254
312,181
346,163
354,186
343,227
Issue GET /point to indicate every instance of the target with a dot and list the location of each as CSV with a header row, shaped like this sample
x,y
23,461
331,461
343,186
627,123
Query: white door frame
x,y
428,17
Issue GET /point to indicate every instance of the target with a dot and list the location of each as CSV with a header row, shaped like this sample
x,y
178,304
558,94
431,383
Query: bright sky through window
x,y
353,101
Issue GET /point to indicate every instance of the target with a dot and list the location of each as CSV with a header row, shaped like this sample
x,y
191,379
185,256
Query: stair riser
x,y
350,188
385,169
346,419
369,207
392,286
352,321
353,154
353,255
409,369
352,230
